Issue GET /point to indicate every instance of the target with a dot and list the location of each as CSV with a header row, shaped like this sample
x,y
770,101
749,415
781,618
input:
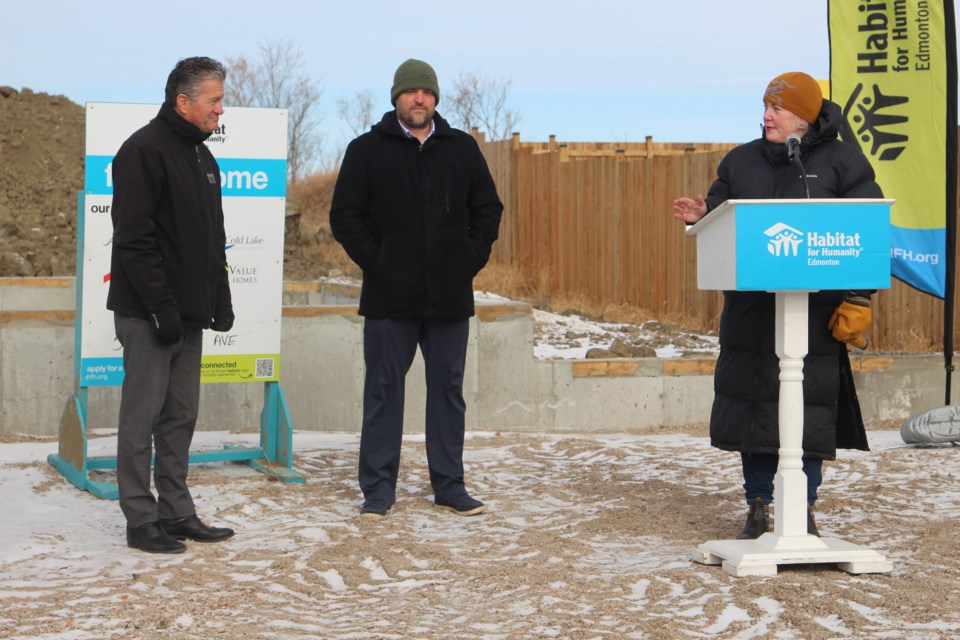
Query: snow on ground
x,y
568,337
588,536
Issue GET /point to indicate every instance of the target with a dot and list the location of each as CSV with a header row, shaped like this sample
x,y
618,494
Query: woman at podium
x,y
800,130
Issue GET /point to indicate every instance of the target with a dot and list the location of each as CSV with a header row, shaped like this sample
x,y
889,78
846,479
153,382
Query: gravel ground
x,y
586,536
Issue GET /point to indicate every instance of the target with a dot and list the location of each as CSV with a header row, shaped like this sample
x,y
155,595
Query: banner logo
x,y
784,240
876,121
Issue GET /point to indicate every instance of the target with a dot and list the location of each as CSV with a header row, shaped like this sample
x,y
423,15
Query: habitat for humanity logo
x,y
823,247
871,122
219,135
784,240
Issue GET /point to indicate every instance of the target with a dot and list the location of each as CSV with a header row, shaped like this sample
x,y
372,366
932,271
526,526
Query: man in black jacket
x,y
168,282
416,208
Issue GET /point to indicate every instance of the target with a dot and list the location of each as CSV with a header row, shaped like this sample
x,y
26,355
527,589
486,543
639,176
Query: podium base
x,y
762,556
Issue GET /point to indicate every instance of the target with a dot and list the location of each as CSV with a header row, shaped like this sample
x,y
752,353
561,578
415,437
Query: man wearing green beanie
x,y
416,208
414,74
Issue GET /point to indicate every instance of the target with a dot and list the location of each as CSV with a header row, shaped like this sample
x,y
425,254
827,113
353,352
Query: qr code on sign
x,y
264,368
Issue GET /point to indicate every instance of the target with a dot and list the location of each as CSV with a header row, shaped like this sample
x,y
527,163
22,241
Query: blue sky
x,y
684,70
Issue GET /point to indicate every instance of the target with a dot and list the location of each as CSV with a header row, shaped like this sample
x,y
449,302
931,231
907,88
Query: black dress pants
x,y
158,414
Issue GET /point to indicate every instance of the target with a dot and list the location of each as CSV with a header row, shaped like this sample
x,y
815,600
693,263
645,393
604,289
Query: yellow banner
x,y
889,63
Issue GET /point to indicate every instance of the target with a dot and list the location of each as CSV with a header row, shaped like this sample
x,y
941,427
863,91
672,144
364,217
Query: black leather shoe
x,y
374,508
190,527
152,538
462,505
757,519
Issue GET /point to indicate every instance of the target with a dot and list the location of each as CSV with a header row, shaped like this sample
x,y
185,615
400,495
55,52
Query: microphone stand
x,y
795,156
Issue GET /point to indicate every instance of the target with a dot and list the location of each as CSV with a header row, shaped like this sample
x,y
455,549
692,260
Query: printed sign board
x,y
251,147
795,245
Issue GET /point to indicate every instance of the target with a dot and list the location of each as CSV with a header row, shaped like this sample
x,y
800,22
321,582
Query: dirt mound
x,y
41,170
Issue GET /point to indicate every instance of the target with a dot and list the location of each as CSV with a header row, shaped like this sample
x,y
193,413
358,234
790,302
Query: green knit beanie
x,y
414,74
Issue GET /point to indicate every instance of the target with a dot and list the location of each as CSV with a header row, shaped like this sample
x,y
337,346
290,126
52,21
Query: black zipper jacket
x,y
419,220
746,384
168,235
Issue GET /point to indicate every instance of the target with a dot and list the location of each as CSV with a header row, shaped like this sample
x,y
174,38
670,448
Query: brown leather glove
x,y
850,320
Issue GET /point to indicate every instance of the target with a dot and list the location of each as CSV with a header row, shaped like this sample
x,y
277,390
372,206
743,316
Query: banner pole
x,y
951,203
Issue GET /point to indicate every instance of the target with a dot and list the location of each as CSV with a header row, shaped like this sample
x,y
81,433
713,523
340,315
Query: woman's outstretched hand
x,y
689,210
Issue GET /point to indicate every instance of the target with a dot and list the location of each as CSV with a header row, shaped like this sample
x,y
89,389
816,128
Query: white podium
x,y
790,248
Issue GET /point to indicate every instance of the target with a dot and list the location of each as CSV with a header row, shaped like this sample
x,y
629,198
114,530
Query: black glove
x,y
168,324
223,318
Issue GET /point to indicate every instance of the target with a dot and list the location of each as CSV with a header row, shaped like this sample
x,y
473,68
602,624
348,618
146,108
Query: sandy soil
x,y
587,536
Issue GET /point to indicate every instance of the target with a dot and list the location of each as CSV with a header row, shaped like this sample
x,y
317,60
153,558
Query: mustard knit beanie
x,y
796,92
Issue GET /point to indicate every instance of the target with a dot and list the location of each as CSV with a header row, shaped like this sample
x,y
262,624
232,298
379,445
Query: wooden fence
x,y
596,220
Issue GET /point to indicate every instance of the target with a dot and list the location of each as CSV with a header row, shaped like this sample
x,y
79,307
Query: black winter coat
x,y
419,220
746,384
168,237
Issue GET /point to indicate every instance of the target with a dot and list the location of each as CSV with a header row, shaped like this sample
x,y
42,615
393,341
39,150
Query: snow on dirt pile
x,y
571,337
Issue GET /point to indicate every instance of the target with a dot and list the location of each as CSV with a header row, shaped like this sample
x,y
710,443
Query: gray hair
x,y
189,74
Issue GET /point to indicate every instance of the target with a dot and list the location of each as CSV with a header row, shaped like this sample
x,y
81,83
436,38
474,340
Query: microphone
x,y
793,147
793,152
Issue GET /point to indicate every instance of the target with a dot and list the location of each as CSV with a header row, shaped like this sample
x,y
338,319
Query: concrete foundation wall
x,y
505,388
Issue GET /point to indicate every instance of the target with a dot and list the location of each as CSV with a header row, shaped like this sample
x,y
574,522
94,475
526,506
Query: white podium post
x,y
790,483
792,247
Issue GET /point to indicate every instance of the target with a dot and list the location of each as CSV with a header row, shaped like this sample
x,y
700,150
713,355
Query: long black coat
x,y
746,384
168,237
419,220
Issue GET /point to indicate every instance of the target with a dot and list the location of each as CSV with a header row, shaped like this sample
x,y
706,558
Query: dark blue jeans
x,y
759,469
389,346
